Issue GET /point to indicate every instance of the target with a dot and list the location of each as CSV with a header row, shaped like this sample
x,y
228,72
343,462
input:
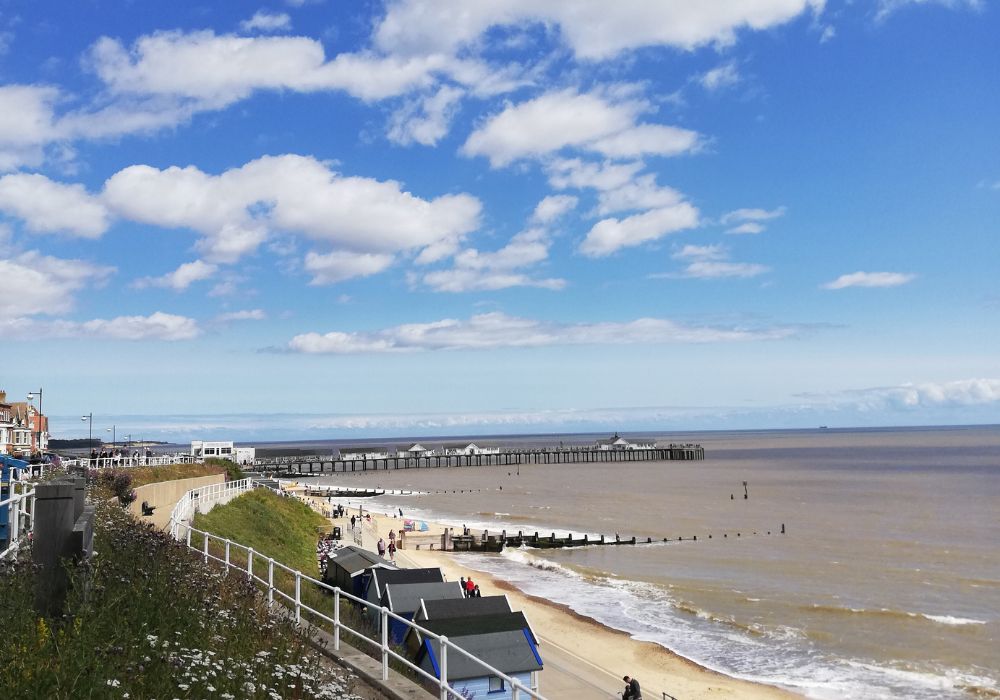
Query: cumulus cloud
x,y
236,210
156,326
344,265
181,278
498,330
603,124
750,220
473,270
244,315
870,279
267,22
923,395
593,29
642,193
47,206
610,235
553,207
425,120
45,284
575,173
722,76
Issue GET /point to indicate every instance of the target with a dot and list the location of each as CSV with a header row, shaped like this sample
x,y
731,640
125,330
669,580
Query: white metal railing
x,y
20,515
126,462
260,570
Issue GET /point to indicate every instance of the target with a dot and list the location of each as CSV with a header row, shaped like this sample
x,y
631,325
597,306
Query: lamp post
x,y
112,431
38,418
90,421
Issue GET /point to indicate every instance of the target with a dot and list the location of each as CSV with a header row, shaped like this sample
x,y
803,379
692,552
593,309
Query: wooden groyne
x,y
511,458
496,543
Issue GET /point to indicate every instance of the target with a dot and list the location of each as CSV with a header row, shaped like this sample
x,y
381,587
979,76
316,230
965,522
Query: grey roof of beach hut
x,y
469,607
404,598
382,577
509,652
505,621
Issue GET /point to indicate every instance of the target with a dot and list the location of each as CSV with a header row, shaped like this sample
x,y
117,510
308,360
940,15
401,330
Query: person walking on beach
x,y
381,547
392,551
632,691
470,588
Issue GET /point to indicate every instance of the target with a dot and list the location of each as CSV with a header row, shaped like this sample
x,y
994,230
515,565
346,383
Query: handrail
x,y
206,496
128,462
20,516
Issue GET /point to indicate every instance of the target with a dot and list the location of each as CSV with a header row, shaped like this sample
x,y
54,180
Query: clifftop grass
x,y
278,527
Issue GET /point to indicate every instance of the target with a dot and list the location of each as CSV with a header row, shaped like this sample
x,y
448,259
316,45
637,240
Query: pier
x,y
304,466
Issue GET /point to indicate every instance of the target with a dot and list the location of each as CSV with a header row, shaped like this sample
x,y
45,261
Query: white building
x,y
364,452
201,449
470,448
616,442
414,450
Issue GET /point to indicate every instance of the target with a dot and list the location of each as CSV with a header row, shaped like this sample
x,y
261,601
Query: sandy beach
x,y
583,659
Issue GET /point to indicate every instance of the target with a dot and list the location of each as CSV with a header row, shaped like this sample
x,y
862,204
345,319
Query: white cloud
x,y
557,120
574,173
887,7
425,120
701,252
344,265
498,330
750,227
639,194
267,22
473,270
712,269
609,235
553,207
712,262
593,29
156,326
44,284
236,210
870,279
181,278
244,315
740,215
922,395
722,76
217,70
47,206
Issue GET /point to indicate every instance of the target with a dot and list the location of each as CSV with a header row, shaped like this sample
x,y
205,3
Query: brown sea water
x,y
886,583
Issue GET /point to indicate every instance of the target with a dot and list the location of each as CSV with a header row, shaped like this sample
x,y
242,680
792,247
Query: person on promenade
x,y
470,588
476,593
392,551
392,537
461,582
632,691
381,547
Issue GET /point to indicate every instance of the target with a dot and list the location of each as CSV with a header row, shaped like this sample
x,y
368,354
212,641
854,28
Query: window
x,y
496,684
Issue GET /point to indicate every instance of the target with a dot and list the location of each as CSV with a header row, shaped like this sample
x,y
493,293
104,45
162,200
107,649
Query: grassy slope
x,y
171,472
281,528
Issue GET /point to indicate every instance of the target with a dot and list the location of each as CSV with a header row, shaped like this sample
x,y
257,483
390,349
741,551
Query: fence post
x,y
206,536
227,558
298,596
385,643
336,619
516,694
270,581
250,563
189,537
443,644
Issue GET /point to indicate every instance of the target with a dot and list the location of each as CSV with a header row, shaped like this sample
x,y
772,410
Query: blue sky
x,y
475,217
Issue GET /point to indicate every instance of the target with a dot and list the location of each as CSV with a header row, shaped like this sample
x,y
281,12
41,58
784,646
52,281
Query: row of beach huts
x,y
486,627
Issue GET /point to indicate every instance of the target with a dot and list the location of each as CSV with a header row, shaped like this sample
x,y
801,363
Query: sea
x,y
885,582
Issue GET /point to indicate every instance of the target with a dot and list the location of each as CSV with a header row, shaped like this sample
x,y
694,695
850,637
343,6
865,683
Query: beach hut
x,y
375,583
363,452
470,448
405,598
347,568
512,652
414,450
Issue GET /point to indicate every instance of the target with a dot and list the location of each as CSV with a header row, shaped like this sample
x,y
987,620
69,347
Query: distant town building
x,y
23,429
222,449
6,425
